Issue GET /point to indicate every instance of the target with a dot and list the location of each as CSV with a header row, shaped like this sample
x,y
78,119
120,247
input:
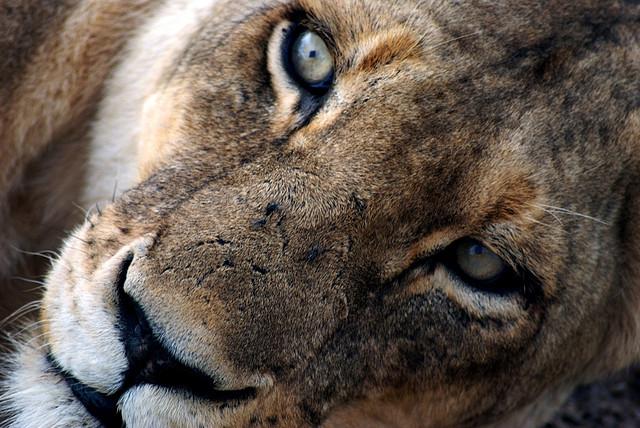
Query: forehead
x,y
468,74
451,71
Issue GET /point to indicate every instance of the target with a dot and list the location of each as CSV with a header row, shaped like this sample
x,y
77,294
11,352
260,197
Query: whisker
x,y
80,250
79,239
36,338
86,212
20,312
549,226
44,254
566,211
30,281
31,326
554,215
450,41
115,191
52,256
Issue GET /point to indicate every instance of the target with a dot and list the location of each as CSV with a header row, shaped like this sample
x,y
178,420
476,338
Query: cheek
x,y
162,120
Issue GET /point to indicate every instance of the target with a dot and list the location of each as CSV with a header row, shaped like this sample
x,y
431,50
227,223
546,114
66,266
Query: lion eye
x,y
311,61
477,262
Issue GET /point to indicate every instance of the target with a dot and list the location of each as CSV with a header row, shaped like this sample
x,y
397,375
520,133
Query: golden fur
x,y
273,241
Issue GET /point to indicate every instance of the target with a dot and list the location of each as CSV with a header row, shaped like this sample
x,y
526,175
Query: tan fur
x,y
60,82
289,245
80,58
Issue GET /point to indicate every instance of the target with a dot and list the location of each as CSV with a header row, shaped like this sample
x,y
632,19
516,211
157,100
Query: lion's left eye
x,y
478,262
311,62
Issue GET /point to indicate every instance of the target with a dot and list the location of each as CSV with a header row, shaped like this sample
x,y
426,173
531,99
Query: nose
x,y
148,362
151,363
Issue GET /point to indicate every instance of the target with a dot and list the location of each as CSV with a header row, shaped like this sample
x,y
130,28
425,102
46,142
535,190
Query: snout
x,y
152,363
128,352
260,285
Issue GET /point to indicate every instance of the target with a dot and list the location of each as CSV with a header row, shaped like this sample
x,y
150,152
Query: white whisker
x,y
46,254
437,46
87,213
549,226
559,210
30,281
20,312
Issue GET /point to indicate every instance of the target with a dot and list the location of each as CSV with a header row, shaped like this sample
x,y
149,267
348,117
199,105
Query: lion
x,y
337,213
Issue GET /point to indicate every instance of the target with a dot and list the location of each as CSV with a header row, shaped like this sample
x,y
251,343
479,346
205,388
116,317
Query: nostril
x,y
121,277
135,332
151,363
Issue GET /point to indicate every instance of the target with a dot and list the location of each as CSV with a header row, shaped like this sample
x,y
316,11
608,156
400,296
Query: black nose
x,y
151,363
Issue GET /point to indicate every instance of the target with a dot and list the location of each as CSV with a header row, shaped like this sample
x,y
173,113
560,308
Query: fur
x,y
286,244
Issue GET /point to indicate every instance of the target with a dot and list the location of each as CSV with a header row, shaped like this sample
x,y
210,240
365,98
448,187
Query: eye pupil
x,y
478,250
312,54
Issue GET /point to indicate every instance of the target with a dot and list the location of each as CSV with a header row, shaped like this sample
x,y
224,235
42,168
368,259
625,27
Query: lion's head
x,y
362,212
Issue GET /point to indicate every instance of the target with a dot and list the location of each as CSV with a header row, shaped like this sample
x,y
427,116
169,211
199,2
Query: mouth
x,y
149,363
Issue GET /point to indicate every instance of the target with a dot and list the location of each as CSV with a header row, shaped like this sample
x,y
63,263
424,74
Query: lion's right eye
x,y
478,262
310,61
479,267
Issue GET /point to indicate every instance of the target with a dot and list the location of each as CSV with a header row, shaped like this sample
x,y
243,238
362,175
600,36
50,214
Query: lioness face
x,y
351,211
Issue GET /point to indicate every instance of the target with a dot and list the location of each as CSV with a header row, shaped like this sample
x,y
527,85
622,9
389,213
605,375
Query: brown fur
x,y
281,236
